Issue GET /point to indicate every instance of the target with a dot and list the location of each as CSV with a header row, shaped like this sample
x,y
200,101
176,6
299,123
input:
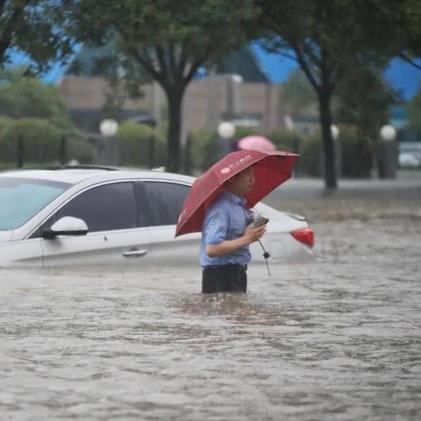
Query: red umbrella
x,y
270,169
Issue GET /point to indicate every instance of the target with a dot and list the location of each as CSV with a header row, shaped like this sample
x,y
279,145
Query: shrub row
x,y
41,142
143,146
140,146
355,151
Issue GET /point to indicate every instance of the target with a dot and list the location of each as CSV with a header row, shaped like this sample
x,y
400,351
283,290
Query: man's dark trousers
x,y
224,278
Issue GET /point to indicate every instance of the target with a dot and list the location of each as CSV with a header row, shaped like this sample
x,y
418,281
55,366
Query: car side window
x,y
165,201
144,210
103,208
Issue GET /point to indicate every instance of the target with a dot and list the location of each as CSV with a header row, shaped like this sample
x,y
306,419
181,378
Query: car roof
x,y
79,174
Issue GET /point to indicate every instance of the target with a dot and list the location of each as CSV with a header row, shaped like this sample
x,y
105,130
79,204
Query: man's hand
x,y
254,234
229,246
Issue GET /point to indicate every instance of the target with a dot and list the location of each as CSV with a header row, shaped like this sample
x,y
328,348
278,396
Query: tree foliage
x,y
394,28
168,39
297,94
414,111
27,97
30,27
364,100
331,39
34,113
124,81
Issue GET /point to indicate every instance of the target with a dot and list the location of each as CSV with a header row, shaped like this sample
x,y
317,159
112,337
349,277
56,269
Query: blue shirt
x,y
225,219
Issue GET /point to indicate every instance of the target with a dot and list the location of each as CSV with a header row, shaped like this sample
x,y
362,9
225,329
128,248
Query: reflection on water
x,y
337,339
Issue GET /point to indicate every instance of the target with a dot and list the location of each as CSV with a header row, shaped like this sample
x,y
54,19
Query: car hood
x,y
5,236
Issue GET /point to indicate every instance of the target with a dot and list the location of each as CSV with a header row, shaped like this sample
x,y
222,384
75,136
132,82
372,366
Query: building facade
x,y
207,102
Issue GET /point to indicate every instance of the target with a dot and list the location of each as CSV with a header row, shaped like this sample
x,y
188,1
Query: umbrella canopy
x,y
270,170
256,143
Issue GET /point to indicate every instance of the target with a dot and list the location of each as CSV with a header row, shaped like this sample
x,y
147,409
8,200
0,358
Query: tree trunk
x,y
329,153
3,47
175,100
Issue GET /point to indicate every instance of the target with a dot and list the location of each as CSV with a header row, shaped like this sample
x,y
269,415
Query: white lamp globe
x,y
334,130
108,127
388,133
236,78
226,130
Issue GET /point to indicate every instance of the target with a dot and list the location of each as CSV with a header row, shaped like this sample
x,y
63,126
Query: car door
x,y
26,252
165,200
116,233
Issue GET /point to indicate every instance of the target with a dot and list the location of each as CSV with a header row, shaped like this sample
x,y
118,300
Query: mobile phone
x,y
259,221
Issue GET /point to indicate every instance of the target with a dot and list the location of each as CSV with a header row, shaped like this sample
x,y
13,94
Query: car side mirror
x,y
68,225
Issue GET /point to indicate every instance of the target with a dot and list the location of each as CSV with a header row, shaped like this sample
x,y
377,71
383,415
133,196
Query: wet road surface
x,y
338,339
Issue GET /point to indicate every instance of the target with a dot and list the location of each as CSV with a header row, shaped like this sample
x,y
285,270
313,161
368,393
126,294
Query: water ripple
x,y
337,339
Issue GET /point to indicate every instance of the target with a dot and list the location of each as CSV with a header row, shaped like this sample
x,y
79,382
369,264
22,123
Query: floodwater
x,y
337,339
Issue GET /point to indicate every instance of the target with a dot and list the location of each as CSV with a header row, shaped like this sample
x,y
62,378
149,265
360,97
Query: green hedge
x,y
4,122
204,144
79,149
286,140
203,149
309,161
25,97
135,146
356,150
357,153
41,142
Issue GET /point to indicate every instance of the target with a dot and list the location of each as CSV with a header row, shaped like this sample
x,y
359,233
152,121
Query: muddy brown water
x,y
338,339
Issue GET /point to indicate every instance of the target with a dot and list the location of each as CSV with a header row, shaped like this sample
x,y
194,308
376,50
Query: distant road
x,y
407,185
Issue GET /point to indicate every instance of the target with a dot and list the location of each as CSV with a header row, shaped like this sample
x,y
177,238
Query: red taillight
x,y
304,235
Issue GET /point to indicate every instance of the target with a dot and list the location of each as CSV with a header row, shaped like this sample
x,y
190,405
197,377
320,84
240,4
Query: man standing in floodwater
x,y
226,236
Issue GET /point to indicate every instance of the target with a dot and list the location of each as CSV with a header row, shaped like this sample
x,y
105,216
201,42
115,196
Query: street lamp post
x,y
387,154
20,151
334,130
234,82
110,151
334,133
289,126
226,132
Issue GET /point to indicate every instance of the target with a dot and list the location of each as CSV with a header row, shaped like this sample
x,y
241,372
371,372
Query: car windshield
x,y
21,199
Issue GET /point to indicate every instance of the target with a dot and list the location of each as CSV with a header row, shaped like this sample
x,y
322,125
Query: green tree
x,y
328,38
29,26
297,94
395,28
414,111
124,80
170,40
25,97
34,113
364,100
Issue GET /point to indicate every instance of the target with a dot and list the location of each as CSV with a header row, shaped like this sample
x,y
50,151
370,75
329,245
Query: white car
x,y
410,154
92,215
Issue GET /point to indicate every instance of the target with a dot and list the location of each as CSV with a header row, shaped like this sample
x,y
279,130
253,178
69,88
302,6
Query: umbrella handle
x,y
266,255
